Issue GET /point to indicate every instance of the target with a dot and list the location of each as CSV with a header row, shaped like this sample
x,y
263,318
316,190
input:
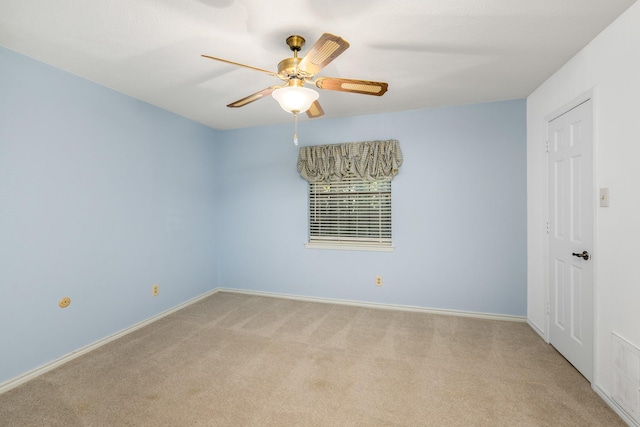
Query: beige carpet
x,y
238,360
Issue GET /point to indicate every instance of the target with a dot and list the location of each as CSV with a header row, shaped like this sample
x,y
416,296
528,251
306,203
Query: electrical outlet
x,y
378,280
155,290
64,302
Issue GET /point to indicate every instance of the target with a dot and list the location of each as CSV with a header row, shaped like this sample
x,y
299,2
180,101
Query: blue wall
x,y
101,196
459,212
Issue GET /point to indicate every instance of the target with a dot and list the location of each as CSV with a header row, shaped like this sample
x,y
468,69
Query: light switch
x,y
604,197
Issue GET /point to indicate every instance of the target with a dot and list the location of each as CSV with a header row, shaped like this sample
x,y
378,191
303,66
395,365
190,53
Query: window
x,y
353,212
350,193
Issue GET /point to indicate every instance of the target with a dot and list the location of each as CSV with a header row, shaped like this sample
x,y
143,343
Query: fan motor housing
x,y
289,67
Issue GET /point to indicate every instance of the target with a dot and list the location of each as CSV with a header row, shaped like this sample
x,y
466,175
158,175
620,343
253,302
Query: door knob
x,y
584,255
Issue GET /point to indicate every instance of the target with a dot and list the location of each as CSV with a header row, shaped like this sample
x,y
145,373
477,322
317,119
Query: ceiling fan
x,y
292,96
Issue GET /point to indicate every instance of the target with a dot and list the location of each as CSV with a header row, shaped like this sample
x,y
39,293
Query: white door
x,y
571,224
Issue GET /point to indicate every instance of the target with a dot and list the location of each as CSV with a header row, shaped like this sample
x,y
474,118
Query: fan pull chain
x,y
295,128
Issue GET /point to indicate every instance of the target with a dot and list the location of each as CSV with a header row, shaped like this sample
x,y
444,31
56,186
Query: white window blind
x,y
352,211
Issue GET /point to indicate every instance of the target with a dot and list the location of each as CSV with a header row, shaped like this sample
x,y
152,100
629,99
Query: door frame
x,y
581,99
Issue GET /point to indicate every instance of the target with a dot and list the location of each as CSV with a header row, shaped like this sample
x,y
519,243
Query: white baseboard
x,y
488,316
613,405
21,379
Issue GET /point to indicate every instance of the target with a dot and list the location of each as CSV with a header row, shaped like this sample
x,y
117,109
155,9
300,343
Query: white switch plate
x,y
604,197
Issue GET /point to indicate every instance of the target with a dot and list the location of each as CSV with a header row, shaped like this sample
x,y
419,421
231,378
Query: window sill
x,y
349,246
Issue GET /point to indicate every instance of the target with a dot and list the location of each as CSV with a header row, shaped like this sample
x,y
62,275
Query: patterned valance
x,y
370,160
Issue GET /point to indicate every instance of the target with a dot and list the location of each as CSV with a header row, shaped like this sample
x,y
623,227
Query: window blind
x,y
352,210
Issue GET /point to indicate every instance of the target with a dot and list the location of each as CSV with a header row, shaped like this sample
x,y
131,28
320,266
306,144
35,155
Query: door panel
x,y
571,216
559,308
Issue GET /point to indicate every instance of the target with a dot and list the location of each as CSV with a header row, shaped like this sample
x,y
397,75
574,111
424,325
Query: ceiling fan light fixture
x,y
295,98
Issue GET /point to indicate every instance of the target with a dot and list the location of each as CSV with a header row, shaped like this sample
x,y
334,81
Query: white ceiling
x,y
431,52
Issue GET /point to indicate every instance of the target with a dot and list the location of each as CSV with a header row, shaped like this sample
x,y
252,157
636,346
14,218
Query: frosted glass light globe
x,y
295,98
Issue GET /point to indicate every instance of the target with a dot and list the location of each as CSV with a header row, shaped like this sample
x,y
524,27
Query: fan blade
x,y
315,110
325,50
241,65
364,87
254,97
